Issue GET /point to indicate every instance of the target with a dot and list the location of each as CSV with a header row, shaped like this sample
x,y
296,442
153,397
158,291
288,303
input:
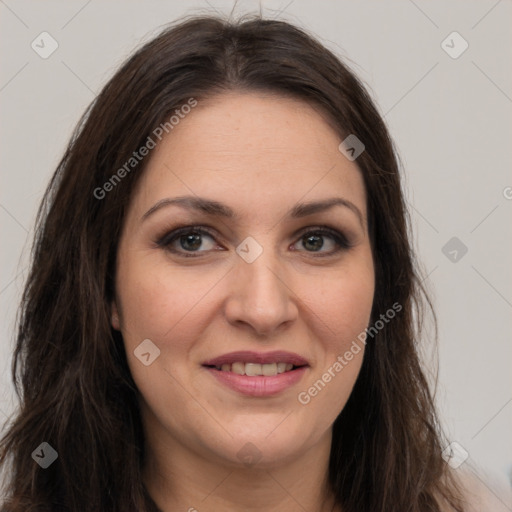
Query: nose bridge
x,y
258,295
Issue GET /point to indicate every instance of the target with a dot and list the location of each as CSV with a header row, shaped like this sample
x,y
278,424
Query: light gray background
x,y
450,118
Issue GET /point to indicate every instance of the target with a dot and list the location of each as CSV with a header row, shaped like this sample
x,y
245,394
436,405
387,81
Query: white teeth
x,y
238,368
269,369
255,369
252,369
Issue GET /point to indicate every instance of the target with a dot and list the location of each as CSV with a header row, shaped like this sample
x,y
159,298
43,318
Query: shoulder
x,y
482,492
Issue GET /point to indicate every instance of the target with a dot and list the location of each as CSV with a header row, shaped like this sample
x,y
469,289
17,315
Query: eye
x,y
314,241
187,240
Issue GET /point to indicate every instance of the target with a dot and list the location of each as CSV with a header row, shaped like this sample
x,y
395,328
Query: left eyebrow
x,y
217,209
304,209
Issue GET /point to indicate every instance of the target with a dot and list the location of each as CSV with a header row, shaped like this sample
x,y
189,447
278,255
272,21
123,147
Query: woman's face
x,y
271,277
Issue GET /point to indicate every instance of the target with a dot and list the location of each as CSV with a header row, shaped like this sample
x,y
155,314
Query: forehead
x,y
252,148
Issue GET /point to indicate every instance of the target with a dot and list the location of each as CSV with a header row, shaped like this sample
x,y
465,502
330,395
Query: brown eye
x,y
315,240
191,241
188,240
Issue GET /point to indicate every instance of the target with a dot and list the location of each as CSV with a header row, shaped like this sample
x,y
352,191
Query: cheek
x,y
158,299
342,308
342,303
162,303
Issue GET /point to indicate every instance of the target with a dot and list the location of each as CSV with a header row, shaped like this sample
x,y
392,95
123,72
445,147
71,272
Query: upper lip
x,y
246,356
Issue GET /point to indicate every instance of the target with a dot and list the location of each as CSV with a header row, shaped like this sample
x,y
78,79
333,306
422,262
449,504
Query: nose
x,y
259,297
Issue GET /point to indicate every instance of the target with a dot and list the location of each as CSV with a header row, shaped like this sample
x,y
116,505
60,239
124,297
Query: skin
x,y
261,155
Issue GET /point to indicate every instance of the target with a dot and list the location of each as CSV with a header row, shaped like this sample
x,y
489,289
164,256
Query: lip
x,y
247,356
259,386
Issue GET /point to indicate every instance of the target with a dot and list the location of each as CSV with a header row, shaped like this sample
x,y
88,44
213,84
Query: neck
x,y
178,478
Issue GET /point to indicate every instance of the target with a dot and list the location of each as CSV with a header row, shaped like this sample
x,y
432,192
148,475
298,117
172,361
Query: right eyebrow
x,y
207,206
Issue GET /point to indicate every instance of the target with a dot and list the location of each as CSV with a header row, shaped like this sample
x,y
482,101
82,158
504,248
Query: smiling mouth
x,y
255,369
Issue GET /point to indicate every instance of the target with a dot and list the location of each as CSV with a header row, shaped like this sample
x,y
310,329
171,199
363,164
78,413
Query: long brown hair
x,y
70,369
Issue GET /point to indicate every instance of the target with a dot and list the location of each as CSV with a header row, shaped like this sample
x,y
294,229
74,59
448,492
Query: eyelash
x,y
165,241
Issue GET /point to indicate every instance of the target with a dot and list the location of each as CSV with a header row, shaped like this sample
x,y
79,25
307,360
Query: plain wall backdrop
x,y
448,108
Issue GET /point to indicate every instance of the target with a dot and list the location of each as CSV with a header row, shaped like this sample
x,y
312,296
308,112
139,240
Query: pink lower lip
x,y
259,385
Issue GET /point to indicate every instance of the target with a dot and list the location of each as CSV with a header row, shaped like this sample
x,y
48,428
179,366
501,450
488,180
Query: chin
x,y
265,448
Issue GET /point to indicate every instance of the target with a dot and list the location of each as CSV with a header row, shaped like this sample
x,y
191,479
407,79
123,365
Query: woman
x,y
223,311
